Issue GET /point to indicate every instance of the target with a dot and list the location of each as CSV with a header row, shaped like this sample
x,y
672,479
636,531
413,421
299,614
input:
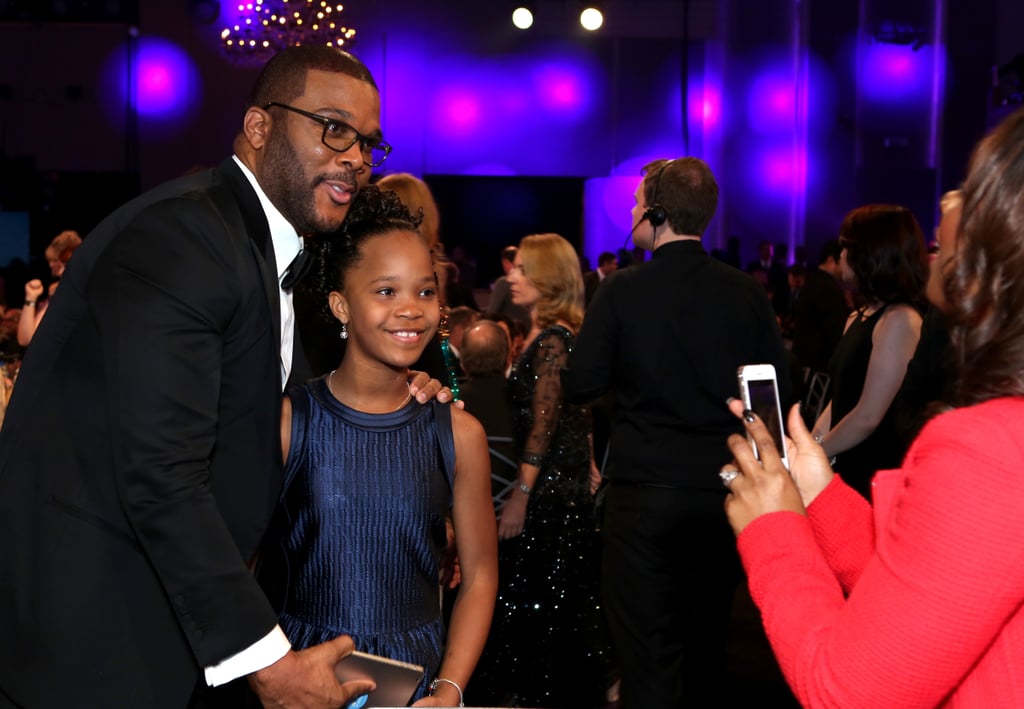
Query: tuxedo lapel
x,y
255,224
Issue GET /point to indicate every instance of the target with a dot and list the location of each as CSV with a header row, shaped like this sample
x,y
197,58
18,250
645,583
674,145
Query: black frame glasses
x,y
374,150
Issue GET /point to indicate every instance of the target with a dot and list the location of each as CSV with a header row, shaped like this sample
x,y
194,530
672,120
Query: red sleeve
x,y
933,603
844,529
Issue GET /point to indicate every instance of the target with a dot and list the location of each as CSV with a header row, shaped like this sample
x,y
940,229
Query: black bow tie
x,y
297,269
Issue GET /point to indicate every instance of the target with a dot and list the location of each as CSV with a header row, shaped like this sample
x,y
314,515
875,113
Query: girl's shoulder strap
x,y
301,399
445,440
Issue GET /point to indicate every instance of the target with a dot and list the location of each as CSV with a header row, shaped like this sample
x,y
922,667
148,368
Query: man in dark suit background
x,y
818,315
776,270
606,265
486,357
140,458
500,302
667,336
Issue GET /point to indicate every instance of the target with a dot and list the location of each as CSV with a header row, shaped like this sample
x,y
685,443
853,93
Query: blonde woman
x,y
416,195
546,647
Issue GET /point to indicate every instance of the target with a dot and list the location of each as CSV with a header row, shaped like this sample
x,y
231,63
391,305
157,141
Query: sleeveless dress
x,y
548,645
848,369
356,543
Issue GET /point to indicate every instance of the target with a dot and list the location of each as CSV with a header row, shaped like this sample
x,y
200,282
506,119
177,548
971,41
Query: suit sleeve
x,y
498,296
165,295
774,351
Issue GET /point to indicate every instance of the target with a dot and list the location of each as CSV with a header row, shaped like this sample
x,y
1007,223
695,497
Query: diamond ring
x,y
728,476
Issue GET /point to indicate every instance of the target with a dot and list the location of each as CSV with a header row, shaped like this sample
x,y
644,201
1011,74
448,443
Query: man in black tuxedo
x,y
606,265
140,458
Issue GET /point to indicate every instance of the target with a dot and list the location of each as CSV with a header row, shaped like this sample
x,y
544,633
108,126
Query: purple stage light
x,y
155,78
459,111
896,73
562,90
771,101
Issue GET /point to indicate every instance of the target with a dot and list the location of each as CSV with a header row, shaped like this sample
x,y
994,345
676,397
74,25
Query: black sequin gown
x,y
548,646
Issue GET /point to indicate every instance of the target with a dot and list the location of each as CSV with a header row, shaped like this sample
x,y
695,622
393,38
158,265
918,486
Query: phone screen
x,y
764,403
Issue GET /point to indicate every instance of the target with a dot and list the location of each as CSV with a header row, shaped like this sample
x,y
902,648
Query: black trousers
x,y
669,574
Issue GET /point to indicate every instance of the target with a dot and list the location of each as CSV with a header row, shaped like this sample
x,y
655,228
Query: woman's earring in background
x,y
344,332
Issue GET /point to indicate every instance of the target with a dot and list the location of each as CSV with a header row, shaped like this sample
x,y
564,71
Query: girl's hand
x,y
443,698
451,572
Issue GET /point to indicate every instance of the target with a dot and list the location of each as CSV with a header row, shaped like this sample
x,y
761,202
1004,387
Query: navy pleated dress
x,y
355,546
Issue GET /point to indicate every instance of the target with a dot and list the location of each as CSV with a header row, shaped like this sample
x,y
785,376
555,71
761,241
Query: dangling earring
x,y
344,332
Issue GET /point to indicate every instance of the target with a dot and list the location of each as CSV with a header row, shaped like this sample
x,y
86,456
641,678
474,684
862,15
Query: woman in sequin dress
x,y
356,544
547,646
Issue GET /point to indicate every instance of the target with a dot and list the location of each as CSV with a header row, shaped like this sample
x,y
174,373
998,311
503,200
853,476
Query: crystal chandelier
x,y
264,27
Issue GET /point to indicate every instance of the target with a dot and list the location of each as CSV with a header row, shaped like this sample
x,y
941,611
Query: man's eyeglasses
x,y
340,136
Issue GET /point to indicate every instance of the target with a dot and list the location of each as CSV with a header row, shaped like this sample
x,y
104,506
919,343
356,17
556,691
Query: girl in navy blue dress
x,y
371,474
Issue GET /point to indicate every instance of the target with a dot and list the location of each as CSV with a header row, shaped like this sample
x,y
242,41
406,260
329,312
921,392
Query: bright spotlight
x,y
522,18
591,18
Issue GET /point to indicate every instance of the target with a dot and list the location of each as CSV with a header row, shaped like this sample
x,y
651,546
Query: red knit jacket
x,y
934,574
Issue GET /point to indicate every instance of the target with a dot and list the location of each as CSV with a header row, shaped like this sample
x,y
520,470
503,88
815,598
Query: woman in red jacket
x,y
917,601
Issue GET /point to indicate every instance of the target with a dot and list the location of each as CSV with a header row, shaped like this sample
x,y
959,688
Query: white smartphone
x,y
759,389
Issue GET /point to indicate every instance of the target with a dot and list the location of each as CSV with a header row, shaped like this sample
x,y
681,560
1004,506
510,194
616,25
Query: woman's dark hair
x,y
886,252
373,212
984,281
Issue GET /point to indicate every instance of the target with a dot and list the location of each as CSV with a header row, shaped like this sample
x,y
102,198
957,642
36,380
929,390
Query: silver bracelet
x,y
436,680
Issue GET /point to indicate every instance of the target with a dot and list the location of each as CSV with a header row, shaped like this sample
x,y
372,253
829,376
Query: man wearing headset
x,y
667,336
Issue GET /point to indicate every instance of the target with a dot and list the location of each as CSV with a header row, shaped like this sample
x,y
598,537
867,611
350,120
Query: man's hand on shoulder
x,y
424,389
305,679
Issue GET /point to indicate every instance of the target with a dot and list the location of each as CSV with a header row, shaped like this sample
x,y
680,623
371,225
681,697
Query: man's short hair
x,y
485,349
462,316
831,250
685,189
605,257
284,76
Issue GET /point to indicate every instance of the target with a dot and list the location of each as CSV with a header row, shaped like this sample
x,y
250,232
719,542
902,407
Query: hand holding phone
x,y
759,390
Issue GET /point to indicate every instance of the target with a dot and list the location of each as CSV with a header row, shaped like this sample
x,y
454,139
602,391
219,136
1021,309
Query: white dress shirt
x,y
287,243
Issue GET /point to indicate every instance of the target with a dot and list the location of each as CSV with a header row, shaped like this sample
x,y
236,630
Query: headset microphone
x,y
655,215
636,226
